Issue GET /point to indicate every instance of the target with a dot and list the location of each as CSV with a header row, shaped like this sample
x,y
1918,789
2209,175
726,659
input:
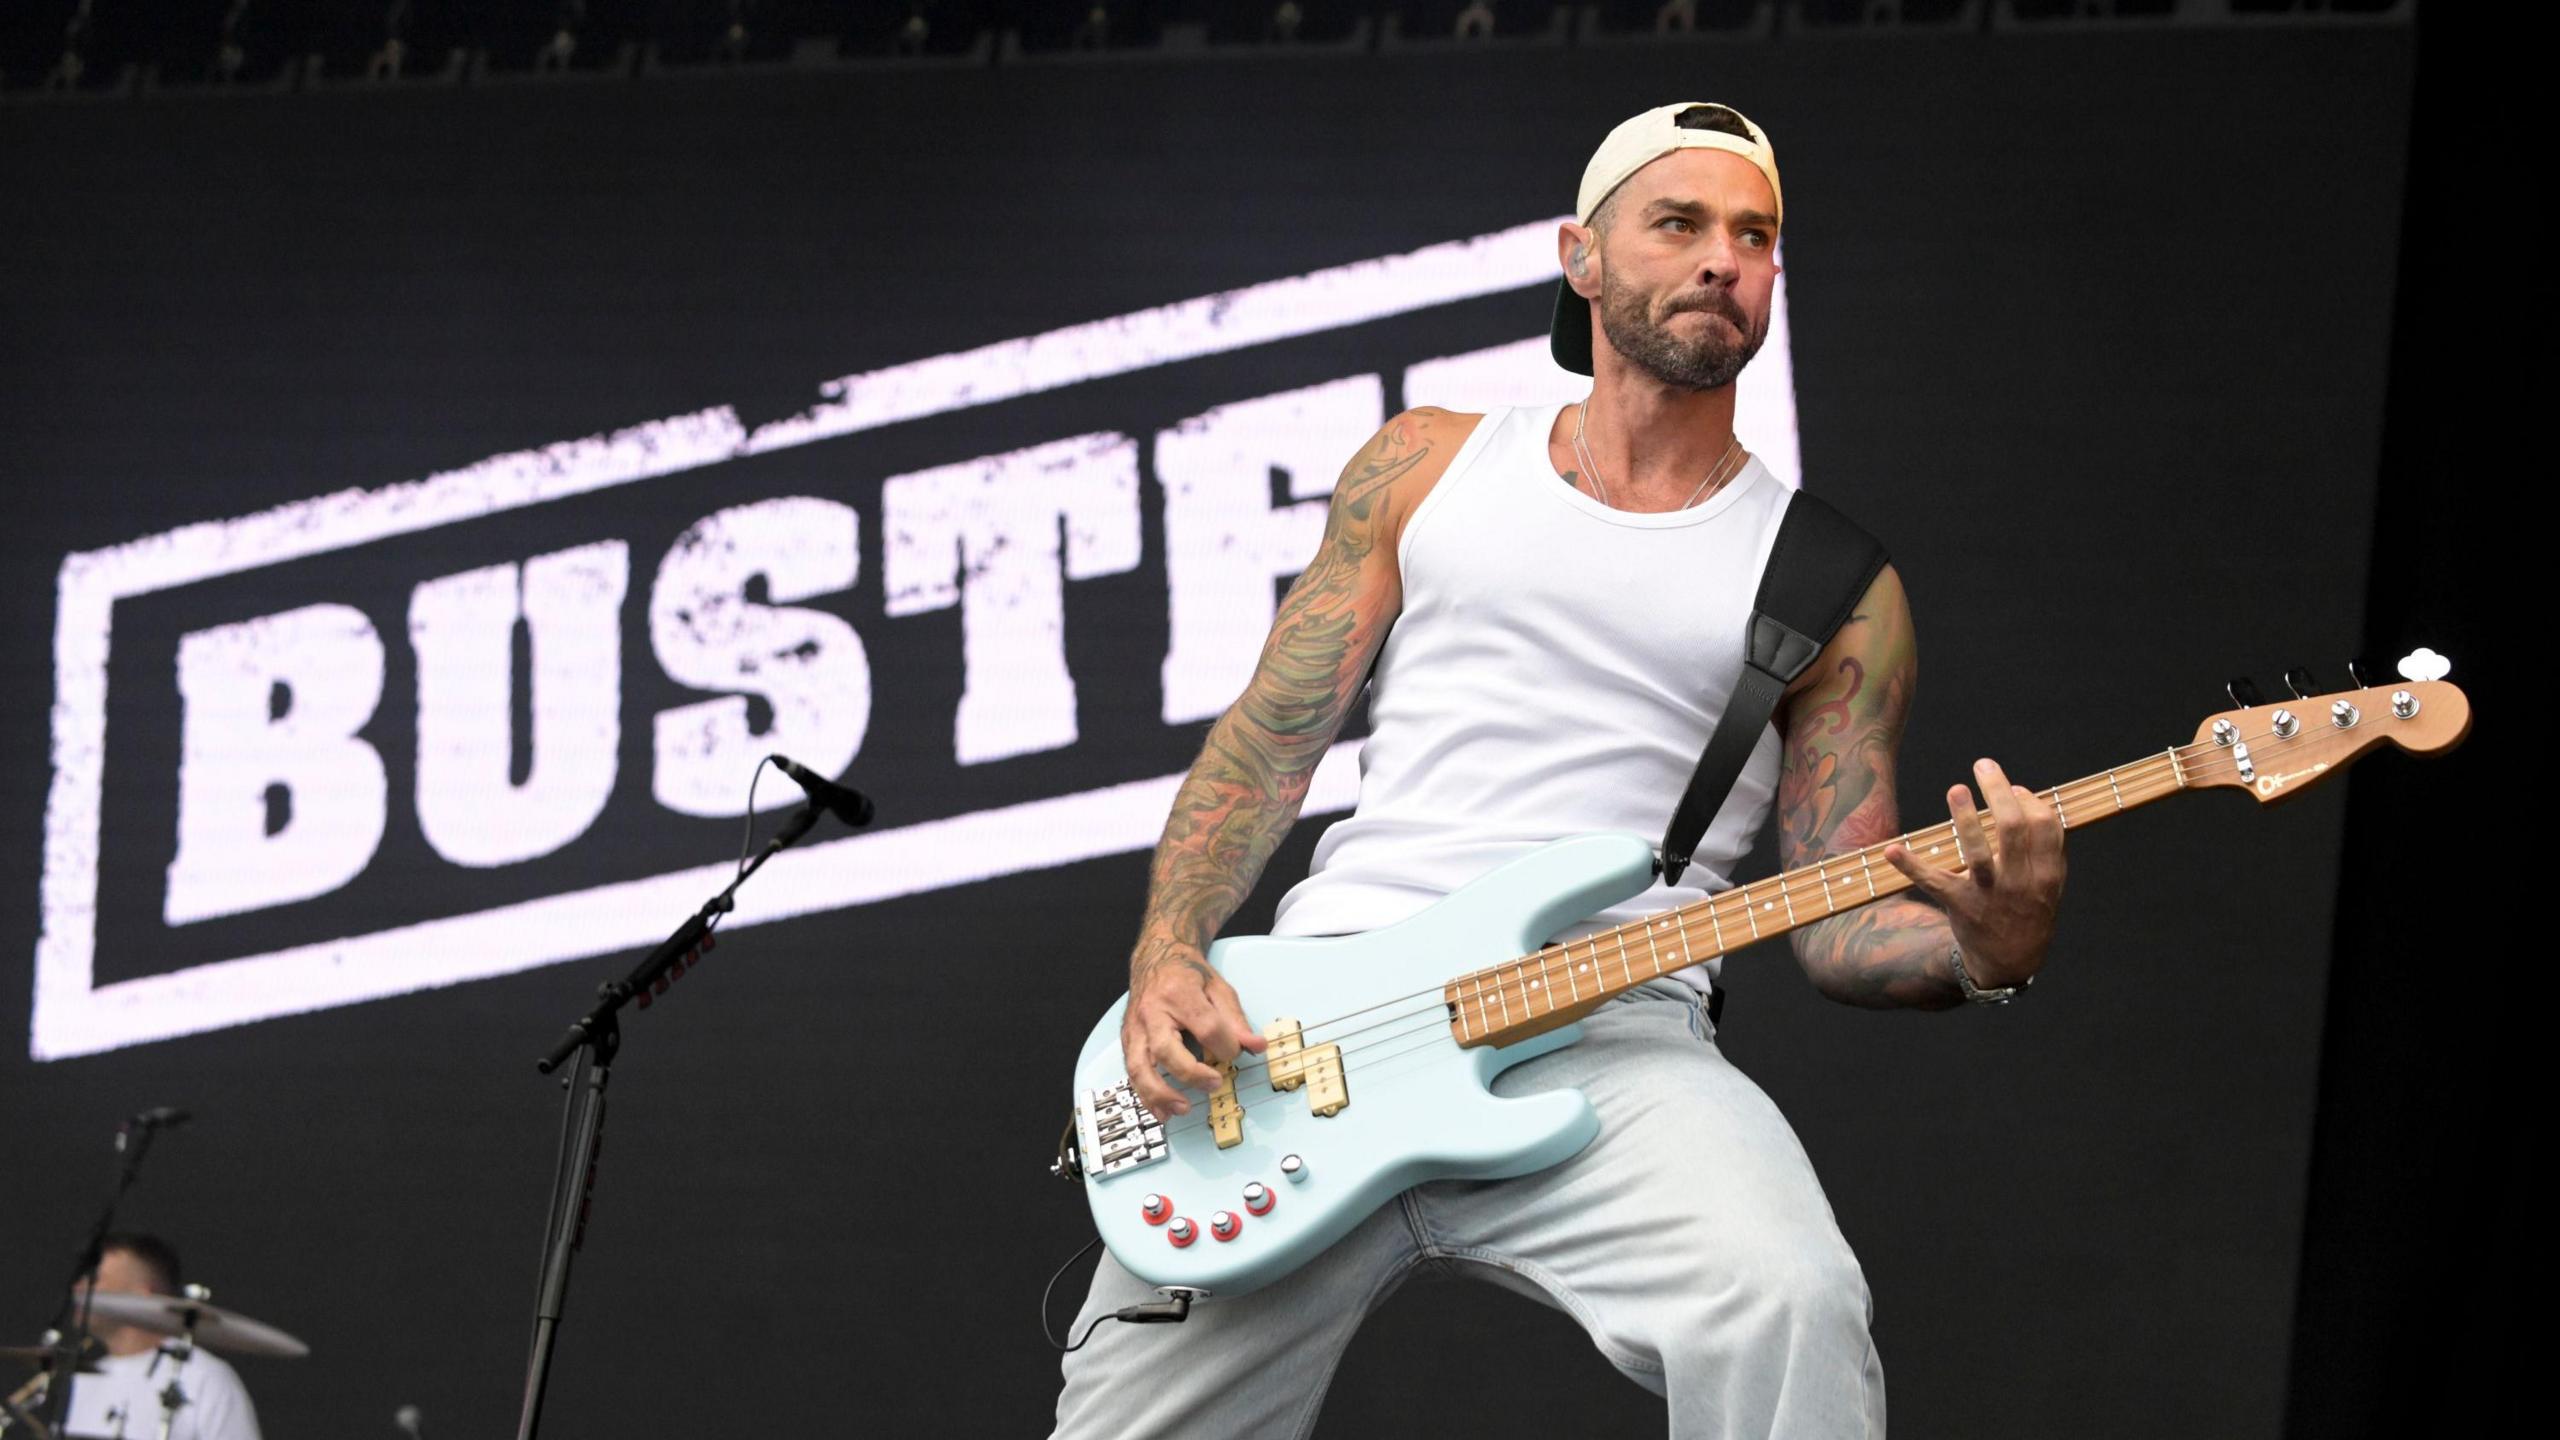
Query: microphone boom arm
x,y
596,1039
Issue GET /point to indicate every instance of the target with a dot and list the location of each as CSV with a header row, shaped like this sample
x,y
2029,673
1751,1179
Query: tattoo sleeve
x,y
1835,794
1244,791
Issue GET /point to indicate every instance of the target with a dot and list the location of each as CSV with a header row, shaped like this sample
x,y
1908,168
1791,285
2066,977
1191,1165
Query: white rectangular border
x,y
72,1016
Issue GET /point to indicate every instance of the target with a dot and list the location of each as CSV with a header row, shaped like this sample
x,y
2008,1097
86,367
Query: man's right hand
x,y
1173,993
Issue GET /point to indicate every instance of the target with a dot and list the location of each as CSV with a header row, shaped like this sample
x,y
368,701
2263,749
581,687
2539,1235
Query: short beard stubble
x,y
1709,362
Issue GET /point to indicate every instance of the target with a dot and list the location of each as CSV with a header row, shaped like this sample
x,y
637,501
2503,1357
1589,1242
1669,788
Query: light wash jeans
x,y
1690,1239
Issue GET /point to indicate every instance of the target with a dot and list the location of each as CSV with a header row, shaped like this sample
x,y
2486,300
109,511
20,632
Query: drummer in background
x,y
123,1399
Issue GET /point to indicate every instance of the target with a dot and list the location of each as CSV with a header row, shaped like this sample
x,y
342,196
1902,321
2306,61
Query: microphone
x,y
411,1423
842,801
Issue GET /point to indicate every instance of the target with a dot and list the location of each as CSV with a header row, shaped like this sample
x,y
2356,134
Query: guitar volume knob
x,y
1181,1232
1225,1224
1155,1209
1257,1198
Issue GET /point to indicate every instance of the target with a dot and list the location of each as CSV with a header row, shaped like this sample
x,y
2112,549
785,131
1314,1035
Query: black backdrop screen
x,y
427,504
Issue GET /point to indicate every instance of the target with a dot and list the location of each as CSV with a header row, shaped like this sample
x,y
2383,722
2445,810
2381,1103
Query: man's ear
x,y
1578,250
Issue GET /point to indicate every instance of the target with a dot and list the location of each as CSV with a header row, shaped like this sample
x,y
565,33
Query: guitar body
x,y
1420,1105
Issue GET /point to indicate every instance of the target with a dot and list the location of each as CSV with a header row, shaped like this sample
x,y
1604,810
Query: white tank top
x,y
1556,669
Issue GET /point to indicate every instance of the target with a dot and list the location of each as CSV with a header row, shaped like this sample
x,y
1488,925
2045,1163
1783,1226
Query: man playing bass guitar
x,y
1554,603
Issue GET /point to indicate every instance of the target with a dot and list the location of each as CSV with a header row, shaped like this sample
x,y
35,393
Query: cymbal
x,y
215,1328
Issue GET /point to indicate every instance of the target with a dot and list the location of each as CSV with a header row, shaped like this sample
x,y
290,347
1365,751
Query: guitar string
x,y
1868,858
2139,773
1819,877
1493,990
1437,1023
2136,773
1370,1070
1430,1032
1863,863
1502,984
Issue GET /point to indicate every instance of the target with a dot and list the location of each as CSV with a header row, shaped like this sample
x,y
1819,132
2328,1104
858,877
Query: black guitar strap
x,y
1821,564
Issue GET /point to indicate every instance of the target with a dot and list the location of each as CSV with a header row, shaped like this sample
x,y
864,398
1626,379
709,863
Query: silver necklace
x,y
1582,453
1716,473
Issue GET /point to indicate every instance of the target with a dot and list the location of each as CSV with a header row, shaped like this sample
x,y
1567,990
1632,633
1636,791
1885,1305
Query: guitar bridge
x,y
1115,1131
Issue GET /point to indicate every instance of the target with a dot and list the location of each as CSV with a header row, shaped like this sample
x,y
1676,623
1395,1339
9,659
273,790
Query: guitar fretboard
x,y
1519,998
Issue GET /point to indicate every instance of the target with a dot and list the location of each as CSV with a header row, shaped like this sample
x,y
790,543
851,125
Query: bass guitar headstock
x,y
2275,751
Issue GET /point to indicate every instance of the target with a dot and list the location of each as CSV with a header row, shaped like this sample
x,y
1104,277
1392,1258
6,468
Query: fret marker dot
x,y
1533,984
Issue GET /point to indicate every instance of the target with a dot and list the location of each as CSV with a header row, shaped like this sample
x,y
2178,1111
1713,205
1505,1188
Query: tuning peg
x,y
2299,681
2244,693
2356,672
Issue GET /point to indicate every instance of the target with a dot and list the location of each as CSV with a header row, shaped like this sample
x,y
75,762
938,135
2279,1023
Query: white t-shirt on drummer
x,y
122,1400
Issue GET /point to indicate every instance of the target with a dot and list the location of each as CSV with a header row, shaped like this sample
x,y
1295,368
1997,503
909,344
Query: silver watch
x,y
1975,994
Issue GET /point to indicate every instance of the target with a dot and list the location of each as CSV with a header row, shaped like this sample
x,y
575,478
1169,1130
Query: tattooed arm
x,y
1244,791
1842,721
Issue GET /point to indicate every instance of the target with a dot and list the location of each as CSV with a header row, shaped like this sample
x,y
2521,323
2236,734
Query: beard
x,y
1709,361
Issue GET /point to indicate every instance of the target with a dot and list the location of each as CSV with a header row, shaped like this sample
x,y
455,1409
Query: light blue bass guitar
x,y
1383,1046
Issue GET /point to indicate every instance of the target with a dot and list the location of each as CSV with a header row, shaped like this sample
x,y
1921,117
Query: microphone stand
x,y
70,1339
595,1039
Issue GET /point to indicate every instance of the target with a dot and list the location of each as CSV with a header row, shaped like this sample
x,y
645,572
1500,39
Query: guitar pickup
x,y
1284,1051
1226,1114
1327,1090
1294,1065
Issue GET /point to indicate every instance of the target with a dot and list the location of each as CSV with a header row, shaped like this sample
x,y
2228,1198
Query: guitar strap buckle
x,y
1819,567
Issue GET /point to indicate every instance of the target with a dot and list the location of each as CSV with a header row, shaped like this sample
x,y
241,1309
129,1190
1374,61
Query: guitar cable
x,y
1174,1308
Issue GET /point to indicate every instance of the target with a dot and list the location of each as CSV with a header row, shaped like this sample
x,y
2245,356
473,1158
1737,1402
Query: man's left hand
x,y
2001,906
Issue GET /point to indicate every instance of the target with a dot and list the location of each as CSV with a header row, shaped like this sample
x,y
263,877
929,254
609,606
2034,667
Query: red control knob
x,y
1156,1209
1258,1198
1225,1224
1182,1232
